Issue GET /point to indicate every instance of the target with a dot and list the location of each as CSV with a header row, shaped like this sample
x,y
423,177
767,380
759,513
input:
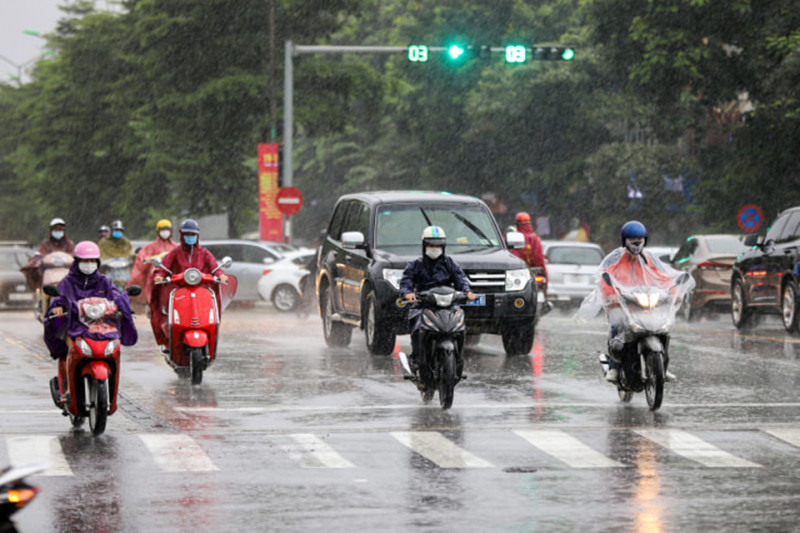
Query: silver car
x,y
250,260
571,270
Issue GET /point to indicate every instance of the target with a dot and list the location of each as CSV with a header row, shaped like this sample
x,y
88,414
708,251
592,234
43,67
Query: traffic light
x,y
516,54
456,53
557,53
418,53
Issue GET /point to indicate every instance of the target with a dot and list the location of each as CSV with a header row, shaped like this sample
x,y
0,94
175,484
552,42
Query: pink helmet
x,y
86,250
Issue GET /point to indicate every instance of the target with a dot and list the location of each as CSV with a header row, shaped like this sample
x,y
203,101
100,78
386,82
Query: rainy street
x,y
287,434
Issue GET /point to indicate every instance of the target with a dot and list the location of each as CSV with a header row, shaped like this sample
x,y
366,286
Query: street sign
x,y
750,217
289,200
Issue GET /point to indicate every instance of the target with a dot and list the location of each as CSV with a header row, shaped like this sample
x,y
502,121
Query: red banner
x,y
270,220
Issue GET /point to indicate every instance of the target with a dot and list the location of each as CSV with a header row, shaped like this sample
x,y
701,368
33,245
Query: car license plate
x,y
20,296
480,299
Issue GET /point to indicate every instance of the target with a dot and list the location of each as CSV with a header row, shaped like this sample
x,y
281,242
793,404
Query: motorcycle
x,y
54,267
193,308
87,385
647,313
118,269
544,306
442,336
15,492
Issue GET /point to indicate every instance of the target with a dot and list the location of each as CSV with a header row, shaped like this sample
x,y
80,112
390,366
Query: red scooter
x,y
88,382
193,308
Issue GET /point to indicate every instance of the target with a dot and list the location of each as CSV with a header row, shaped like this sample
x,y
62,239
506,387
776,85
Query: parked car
x,y
14,290
709,260
764,278
250,260
371,238
571,269
280,283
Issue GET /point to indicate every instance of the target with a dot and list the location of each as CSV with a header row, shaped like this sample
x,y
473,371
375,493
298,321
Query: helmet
x,y
189,226
117,224
163,223
433,235
57,221
522,218
86,250
632,228
104,229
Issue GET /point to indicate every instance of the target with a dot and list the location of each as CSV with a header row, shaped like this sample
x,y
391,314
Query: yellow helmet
x,y
163,223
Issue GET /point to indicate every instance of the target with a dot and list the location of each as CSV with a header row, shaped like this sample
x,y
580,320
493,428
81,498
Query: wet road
x,y
287,434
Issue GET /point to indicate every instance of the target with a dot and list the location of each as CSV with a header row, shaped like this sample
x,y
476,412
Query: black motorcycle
x,y
441,342
15,492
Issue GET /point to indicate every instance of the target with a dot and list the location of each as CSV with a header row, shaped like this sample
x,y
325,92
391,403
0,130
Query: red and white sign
x,y
270,221
289,200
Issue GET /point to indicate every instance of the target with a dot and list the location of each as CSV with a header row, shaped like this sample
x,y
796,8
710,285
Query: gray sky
x,y
15,46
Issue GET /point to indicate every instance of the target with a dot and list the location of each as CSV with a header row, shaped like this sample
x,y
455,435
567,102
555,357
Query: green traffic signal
x,y
568,54
456,51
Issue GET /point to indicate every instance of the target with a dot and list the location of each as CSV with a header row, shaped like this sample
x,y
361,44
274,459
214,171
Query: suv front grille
x,y
487,281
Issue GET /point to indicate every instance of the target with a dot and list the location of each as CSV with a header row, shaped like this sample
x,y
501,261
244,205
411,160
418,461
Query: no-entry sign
x,y
289,200
750,217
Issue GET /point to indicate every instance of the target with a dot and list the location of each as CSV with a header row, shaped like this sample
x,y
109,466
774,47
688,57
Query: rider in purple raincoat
x,y
84,281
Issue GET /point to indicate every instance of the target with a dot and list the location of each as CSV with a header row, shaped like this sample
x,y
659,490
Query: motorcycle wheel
x,y
447,379
196,365
625,395
98,404
654,387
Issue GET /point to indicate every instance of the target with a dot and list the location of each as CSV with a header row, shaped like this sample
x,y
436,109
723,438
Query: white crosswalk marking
x,y
438,449
309,451
694,448
790,435
567,448
38,449
177,453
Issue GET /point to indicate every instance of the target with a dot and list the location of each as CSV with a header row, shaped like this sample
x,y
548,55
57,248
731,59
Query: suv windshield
x,y
469,229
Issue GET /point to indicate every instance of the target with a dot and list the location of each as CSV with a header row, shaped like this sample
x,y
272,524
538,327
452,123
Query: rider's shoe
x,y
55,393
669,376
164,350
612,375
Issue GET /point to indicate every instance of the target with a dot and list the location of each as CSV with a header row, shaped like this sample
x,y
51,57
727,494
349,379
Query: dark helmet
x,y
632,228
190,226
117,224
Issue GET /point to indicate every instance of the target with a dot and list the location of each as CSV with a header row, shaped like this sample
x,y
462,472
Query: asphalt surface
x,y
288,434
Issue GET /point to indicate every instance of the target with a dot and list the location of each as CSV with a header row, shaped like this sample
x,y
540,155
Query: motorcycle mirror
x,y
51,290
607,278
156,262
226,262
134,290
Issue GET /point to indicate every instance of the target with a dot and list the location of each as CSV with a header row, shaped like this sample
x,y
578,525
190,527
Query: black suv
x,y
371,238
763,278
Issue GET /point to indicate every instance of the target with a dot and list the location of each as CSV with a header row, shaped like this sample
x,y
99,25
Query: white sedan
x,y
280,283
571,270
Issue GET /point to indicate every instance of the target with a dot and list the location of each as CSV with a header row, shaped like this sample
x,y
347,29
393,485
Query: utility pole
x,y
273,105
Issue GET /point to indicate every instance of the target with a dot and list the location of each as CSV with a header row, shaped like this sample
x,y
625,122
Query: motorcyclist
x,y
142,267
115,245
103,232
433,269
83,281
188,255
56,241
631,265
532,254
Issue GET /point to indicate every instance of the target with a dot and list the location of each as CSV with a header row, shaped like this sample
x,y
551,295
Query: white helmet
x,y
56,221
433,235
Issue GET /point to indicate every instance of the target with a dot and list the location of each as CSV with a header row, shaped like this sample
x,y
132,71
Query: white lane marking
x,y
499,407
790,435
694,448
567,449
440,450
177,453
309,451
39,449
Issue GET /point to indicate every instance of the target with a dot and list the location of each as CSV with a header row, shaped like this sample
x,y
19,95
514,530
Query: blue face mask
x,y
116,234
191,240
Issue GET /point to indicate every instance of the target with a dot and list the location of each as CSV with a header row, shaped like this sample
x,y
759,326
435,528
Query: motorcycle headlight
x,y
83,346
192,276
516,279
94,311
393,276
647,301
444,300
111,347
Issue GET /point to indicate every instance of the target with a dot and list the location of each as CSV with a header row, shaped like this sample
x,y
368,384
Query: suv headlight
x,y
516,279
393,276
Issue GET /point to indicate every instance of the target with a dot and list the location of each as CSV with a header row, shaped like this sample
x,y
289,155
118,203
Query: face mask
x,y
57,235
634,247
116,234
164,234
88,268
191,240
434,252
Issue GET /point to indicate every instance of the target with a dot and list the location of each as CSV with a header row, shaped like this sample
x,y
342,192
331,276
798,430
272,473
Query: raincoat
x,y
56,245
425,273
111,247
77,286
140,274
532,254
33,270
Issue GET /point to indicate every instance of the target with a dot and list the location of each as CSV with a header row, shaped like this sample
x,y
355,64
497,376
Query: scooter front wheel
x,y
654,387
196,365
447,379
98,404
